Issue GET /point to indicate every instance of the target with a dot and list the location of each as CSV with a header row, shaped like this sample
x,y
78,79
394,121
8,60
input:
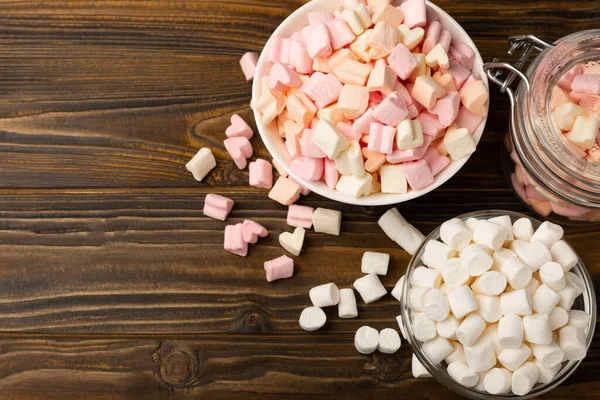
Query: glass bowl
x,y
585,302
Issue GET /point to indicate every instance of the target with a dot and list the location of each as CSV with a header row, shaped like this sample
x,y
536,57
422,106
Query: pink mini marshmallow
x,y
404,93
445,39
436,162
431,125
308,146
346,129
415,13
578,96
588,84
447,108
401,156
466,119
299,58
318,42
432,36
381,138
234,240
519,189
251,231
285,191
323,89
240,149
279,50
567,79
418,174
261,174
300,216
309,169
320,17
217,207
340,34
281,78
363,123
392,110
239,127
279,268
248,63
331,174
459,73
463,54
402,61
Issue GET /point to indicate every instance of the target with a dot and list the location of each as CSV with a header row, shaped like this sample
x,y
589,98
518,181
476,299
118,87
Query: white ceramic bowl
x,y
276,146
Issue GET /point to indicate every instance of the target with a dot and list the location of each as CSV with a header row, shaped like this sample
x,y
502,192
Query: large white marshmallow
x,y
579,319
424,329
366,340
454,273
573,342
418,370
456,234
534,254
416,298
470,329
544,299
524,378
489,308
563,254
491,333
447,327
476,259
458,354
481,356
389,341
463,374
500,257
553,275
312,318
506,222
548,233
548,355
471,223
437,349
491,283
490,235
559,317
523,229
518,274
347,305
547,374
462,302
510,331
512,358
518,302
435,305
537,329
398,288
426,277
329,140
437,253
410,239
375,263
498,381
370,288
396,228
325,295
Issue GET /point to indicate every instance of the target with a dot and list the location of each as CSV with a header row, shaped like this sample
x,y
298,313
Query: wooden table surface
x,y
113,285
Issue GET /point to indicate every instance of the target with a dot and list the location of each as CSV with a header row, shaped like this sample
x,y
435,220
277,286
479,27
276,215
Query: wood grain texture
x,y
113,285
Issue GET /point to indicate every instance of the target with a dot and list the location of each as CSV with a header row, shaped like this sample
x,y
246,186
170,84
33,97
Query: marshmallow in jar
x,y
490,298
553,160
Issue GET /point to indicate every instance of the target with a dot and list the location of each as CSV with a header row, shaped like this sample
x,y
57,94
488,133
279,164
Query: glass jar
x,y
549,173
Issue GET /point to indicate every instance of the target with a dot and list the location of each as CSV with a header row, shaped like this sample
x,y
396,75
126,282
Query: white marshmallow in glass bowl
x,y
275,144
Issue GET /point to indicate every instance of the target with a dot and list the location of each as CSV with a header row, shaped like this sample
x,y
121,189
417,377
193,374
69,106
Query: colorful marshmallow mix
x,y
378,77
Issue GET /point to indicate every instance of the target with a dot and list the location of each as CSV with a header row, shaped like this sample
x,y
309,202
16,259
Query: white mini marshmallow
x,y
418,370
312,318
366,340
524,378
329,140
437,253
553,275
518,302
518,274
576,281
490,235
393,179
534,254
327,221
500,257
435,305
563,254
401,326
462,302
471,223
546,374
481,356
573,342
448,327
459,143
370,288
559,317
375,263
498,381
424,329
506,222
513,358
202,163
489,308
325,295
463,374
456,234
347,305
426,277
532,286
491,283
389,341
476,259
416,298
354,186
397,291
544,299
579,319
454,273
458,354
510,331
523,229
437,349
470,329
350,161
537,329
548,355
548,233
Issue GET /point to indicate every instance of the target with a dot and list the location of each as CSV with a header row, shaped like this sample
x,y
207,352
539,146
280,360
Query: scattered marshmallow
x,y
375,263
347,304
202,163
279,268
248,63
312,319
293,242
326,295
217,207
251,231
285,191
327,221
366,340
389,341
300,216
234,240
370,288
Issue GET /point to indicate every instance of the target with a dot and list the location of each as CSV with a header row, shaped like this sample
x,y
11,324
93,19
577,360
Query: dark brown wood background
x,y
113,285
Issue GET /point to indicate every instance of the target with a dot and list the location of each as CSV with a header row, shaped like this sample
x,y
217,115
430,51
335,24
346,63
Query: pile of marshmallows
x,y
494,302
372,97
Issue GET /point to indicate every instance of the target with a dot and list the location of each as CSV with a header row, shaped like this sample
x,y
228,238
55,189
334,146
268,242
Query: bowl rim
x,y
376,199
439,373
